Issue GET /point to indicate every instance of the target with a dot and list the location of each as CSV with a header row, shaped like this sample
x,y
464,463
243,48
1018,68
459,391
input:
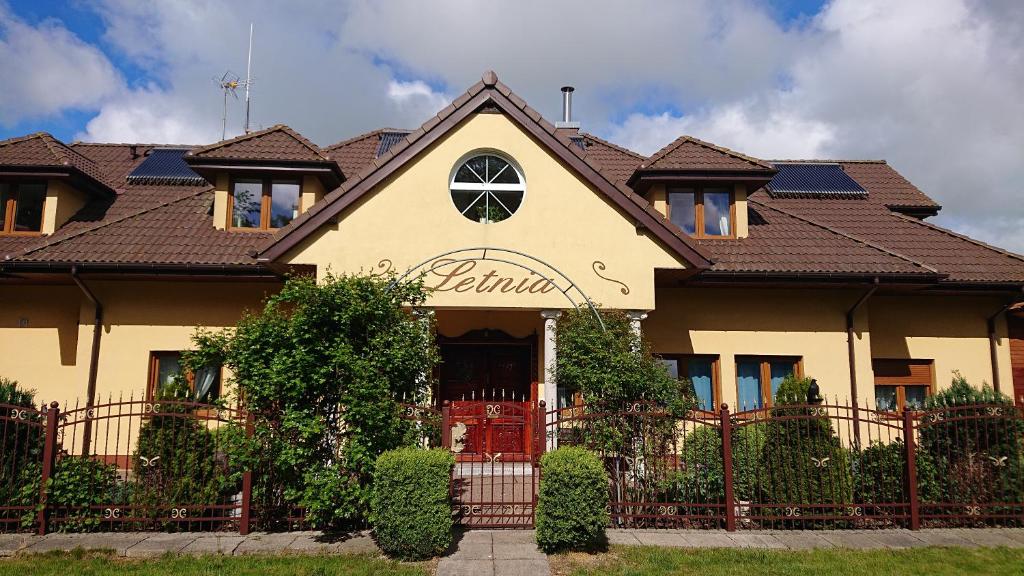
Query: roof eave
x,y
643,178
79,179
327,171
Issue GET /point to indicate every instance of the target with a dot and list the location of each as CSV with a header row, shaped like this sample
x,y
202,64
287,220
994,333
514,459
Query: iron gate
x,y
497,447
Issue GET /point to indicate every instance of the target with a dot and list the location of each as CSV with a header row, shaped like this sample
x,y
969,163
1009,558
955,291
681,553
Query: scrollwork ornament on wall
x,y
599,267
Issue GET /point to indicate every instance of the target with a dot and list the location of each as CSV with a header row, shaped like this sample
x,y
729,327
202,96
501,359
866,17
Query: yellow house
x,y
738,270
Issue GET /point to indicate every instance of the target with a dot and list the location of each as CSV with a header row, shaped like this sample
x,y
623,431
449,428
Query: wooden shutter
x,y
902,372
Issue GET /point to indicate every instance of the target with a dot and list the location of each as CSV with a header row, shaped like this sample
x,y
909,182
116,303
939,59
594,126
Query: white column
x,y
635,317
550,362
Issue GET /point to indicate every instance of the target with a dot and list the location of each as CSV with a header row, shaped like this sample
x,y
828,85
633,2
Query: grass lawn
x,y
98,564
641,561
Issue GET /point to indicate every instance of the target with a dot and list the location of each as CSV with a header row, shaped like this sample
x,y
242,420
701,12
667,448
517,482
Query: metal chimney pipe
x,y
567,103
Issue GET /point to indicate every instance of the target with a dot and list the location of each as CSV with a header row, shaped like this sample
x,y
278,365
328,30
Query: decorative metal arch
x,y
465,255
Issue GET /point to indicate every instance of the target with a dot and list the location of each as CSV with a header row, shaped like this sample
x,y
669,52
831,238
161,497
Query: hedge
x,y
410,510
572,507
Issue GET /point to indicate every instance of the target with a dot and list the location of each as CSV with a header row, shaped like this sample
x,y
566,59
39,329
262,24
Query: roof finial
x,y
489,78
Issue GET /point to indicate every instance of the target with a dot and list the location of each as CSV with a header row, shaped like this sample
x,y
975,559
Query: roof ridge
x,y
363,136
637,155
672,146
949,232
139,144
258,133
846,235
102,224
825,161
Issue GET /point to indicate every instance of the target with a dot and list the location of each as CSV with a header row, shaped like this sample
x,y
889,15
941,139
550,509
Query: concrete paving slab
x,y
359,544
763,541
1015,534
66,542
622,538
476,536
264,543
474,551
160,544
697,539
854,540
459,567
514,537
11,543
802,540
516,552
992,538
539,567
213,544
668,539
899,539
943,537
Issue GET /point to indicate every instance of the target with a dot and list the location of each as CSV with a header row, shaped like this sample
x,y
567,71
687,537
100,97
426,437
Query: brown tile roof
x,y
44,151
689,153
618,162
278,142
355,154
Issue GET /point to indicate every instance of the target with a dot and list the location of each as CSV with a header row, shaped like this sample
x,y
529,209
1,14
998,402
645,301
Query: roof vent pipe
x,y
566,121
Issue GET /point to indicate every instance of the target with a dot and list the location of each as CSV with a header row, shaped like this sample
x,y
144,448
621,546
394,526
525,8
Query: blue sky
x,y
932,86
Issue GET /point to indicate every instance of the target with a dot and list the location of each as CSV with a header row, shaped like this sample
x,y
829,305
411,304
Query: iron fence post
x,y
540,420
245,520
726,427
910,474
49,455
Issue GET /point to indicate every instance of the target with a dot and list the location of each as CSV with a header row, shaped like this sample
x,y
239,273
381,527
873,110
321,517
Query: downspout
x,y
852,352
94,358
993,343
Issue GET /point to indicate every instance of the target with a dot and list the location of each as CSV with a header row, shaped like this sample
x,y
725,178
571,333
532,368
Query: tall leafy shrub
x,y
975,437
321,367
572,503
21,446
803,461
411,511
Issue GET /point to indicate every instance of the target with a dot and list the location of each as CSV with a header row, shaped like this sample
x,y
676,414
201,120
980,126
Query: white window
x,y
487,188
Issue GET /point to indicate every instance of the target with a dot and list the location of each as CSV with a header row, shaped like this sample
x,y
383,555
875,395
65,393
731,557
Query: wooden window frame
x,y
266,195
10,213
698,208
767,401
716,380
901,392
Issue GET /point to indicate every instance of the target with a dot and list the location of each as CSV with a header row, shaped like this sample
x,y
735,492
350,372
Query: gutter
x,y
993,343
94,358
852,352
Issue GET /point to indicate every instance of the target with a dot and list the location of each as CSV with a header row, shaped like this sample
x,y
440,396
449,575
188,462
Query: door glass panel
x,y
748,380
284,203
682,210
29,214
247,196
700,376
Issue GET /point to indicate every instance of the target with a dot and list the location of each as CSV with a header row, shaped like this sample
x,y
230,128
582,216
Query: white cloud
x,y
416,97
148,115
47,69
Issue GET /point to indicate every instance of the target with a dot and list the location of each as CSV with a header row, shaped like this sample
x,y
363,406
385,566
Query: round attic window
x,y
487,188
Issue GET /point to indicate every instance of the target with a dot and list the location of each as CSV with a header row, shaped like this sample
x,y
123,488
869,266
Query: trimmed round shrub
x,y
411,511
572,507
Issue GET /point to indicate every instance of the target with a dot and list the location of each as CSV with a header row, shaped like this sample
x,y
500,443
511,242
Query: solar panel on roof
x,y
387,140
813,179
165,166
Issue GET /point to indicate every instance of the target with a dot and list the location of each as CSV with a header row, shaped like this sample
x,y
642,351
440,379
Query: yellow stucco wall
x,y
46,331
811,324
410,218
62,202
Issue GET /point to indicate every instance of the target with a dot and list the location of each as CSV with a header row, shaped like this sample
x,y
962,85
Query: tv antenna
x,y
248,80
228,83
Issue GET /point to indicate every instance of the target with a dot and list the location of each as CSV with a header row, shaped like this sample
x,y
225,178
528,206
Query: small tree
x,y
322,367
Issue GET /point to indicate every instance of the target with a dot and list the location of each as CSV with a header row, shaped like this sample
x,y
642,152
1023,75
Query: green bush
x,y
803,461
975,438
572,505
176,460
322,367
880,469
77,484
21,448
411,512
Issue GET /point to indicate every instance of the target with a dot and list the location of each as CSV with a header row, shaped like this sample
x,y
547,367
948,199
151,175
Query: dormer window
x,y
21,207
263,203
703,211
